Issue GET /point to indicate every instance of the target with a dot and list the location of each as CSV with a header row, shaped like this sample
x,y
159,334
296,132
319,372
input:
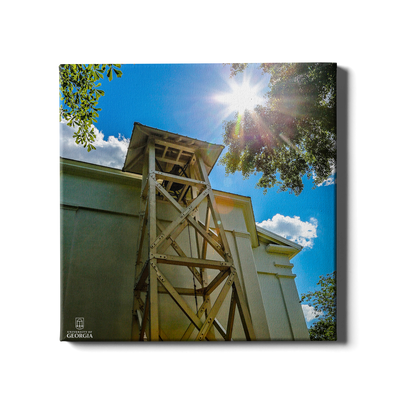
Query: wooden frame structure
x,y
185,187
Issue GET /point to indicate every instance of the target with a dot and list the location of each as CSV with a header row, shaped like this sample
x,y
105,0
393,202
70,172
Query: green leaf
x,y
79,94
118,73
109,74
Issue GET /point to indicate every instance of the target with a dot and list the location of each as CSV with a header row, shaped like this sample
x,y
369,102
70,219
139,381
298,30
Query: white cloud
x,y
332,178
330,181
293,229
310,313
110,152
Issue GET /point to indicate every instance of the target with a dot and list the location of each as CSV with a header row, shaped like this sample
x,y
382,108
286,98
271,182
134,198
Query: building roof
x,y
278,244
140,134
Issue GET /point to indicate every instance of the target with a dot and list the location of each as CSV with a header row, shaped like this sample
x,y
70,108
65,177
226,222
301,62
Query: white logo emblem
x,y
79,323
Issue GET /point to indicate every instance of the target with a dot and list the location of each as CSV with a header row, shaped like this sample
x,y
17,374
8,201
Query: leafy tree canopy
x,y
293,134
324,303
79,95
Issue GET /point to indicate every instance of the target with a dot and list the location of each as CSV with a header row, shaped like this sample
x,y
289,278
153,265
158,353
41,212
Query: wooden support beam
x,y
211,233
243,311
153,294
206,235
215,214
178,179
174,145
145,170
143,225
231,315
196,202
152,210
145,188
192,262
139,316
196,215
185,213
191,326
145,317
183,193
172,237
220,328
144,273
171,161
215,308
165,151
206,227
216,281
178,299
168,188
135,328
152,218
183,291
180,252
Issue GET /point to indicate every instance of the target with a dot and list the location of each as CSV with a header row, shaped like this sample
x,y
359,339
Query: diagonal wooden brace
x,y
244,311
185,215
178,299
217,305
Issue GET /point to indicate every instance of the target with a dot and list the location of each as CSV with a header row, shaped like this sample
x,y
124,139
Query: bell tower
x,y
183,252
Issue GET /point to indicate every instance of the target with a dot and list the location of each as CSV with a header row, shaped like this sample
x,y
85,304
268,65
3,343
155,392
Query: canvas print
x,y
198,202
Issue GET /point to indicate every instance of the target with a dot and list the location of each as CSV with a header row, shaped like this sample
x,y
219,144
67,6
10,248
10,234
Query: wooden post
x,y
152,218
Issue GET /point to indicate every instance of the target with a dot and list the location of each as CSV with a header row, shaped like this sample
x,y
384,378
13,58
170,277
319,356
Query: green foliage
x,y
79,95
323,301
293,134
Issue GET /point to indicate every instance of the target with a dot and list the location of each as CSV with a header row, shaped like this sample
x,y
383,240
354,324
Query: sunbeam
x,y
241,97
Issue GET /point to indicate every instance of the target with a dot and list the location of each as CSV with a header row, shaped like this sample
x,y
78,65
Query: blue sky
x,y
182,99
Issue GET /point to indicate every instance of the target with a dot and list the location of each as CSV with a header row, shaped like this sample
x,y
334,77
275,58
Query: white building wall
x,y
99,238
245,262
280,297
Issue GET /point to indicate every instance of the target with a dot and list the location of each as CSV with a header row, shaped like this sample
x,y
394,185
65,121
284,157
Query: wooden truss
x,y
185,187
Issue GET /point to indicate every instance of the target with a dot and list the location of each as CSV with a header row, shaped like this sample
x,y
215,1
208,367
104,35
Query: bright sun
x,y
242,97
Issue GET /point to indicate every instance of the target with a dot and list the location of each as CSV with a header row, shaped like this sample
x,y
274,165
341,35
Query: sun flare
x,y
241,97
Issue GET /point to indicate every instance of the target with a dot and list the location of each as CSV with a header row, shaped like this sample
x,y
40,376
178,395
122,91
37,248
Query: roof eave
x,y
141,132
280,240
